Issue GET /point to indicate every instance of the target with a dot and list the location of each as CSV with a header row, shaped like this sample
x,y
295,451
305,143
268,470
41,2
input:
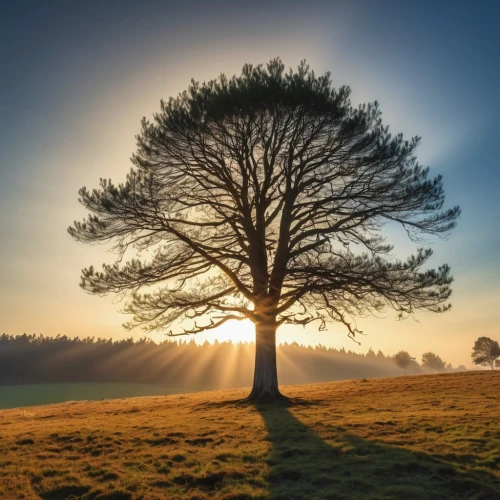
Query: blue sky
x,y
78,77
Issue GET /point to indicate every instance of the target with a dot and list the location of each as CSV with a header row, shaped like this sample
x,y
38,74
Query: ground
x,y
423,437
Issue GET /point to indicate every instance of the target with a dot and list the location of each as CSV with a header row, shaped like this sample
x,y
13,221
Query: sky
x,y
77,77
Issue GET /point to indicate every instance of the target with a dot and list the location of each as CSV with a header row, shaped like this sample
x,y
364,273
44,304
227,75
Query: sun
x,y
235,331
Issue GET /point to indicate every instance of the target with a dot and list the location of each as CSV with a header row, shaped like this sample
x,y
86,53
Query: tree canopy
x,y
485,352
263,197
433,361
403,359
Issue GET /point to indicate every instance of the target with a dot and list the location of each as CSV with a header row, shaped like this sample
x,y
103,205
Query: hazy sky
x,y
77,77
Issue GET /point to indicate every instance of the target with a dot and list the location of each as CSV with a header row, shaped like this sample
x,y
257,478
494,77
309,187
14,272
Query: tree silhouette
x,y
433,361
485,352
403,360
262,197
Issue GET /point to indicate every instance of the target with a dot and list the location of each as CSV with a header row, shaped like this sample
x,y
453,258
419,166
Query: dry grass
x,y
425,437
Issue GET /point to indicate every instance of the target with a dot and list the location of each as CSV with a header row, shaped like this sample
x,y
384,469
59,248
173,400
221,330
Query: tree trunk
x,y
265,380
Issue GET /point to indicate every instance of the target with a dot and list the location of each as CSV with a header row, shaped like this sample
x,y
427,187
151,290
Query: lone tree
x,y
261,197
433,362
403,360
485,352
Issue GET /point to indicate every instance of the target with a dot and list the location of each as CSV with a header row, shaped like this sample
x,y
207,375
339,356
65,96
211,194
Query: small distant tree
x,y
403,360
433,361
485,352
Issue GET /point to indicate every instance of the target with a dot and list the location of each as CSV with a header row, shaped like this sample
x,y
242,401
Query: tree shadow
x,y
303,465
286,402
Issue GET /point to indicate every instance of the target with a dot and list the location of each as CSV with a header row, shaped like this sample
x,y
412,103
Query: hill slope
x,y
423,437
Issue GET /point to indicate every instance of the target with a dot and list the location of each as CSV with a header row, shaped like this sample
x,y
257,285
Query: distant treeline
x,y
28,359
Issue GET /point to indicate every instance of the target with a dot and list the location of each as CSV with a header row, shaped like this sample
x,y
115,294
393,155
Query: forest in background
x,y
29,359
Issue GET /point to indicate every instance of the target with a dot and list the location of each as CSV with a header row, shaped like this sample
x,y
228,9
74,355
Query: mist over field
x,y
40,370
29,359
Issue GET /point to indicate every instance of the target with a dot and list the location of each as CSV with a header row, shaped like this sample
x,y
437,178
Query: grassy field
x,y
426,437
13,396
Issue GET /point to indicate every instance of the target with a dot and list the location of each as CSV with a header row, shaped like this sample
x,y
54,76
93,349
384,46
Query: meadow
x,y
13,396
414,437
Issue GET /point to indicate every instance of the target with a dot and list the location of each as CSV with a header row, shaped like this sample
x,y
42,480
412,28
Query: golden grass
x,y
428,437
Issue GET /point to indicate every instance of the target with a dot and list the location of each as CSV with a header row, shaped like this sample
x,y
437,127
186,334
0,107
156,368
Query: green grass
x,y
14,396
427,437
